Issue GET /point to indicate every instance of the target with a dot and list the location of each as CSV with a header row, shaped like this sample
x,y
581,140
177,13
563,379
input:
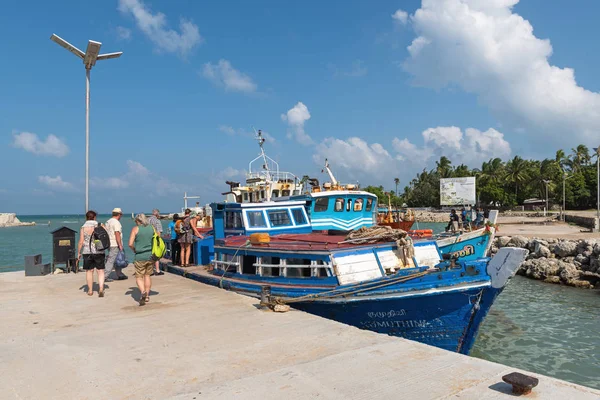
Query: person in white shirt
x,y
115,233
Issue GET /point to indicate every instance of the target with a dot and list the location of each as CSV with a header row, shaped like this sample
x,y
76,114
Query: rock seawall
x,y
10,219
570,262
431,216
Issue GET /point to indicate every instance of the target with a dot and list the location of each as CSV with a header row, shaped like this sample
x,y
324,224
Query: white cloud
x,y
30,142
155,28
140,178
55,183
223,74
123,33
471,147
137,169
296,117
401,16
354,156
485,48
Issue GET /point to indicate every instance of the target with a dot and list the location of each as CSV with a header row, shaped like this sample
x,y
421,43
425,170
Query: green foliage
x,y
508,183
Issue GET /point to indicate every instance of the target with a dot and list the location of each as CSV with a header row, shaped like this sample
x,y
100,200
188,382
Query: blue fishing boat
x,y
374,279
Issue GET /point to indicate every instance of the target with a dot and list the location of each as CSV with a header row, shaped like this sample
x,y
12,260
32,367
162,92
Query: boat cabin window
x,y
276,193
233,220
285,193
252,198
321,204
298,268
279,218
262,194
358,204
339,205
369,204
245,197
256,219
349,205
298,216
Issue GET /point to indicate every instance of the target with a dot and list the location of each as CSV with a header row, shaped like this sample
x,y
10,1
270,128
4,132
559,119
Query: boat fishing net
x,y
377,234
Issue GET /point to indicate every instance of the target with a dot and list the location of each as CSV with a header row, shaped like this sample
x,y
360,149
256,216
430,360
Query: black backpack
x,y
100,238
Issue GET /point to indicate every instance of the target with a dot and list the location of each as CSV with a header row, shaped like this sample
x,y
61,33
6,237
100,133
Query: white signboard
x,y
457,191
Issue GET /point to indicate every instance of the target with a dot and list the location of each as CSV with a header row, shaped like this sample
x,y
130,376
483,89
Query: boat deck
x,y
197,341
314,241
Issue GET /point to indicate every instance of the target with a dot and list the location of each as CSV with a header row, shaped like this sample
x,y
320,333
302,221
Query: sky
x,y
382,89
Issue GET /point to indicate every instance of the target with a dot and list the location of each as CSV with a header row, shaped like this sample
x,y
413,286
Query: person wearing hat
x,y
115,233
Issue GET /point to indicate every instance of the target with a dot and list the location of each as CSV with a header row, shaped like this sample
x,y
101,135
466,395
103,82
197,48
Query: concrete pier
x,y
194,341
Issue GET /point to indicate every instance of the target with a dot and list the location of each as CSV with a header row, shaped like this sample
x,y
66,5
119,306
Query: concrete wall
x,y
587,222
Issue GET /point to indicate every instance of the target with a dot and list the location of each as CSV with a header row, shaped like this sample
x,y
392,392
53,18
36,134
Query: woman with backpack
x,y
140,241
93,259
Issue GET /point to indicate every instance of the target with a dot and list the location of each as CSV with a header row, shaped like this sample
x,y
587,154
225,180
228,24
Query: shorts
x,y
143,267
91,261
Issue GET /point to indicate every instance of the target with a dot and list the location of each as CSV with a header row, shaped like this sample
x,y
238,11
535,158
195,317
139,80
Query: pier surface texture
x,y
193,341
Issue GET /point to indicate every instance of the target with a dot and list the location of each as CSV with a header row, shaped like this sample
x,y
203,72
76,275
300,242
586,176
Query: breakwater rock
x,y
431,216
10,219
569,262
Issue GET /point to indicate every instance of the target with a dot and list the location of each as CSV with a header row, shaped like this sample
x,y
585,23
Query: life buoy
x,y
421,233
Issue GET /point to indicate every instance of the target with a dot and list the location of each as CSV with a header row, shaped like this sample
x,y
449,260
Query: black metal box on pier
x,y
63,248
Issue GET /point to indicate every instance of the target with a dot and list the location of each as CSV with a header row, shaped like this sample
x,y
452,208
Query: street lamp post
x,y
546,182
91,55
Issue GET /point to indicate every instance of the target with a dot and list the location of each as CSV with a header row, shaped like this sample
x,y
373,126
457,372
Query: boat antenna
x,y
268,177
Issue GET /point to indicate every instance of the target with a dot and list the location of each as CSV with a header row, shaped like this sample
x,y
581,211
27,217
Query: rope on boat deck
x,y
343,292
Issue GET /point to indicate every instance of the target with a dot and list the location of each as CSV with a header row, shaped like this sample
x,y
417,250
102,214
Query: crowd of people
x,y
102,260
183,231
467,220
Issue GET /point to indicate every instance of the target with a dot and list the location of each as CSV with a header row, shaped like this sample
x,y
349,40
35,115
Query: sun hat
x,y
117,210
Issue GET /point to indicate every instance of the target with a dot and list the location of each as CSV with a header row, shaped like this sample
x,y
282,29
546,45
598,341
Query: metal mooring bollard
x,y
265,296
521,384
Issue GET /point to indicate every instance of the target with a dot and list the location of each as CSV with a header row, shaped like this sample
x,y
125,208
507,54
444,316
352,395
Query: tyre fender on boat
x,y
505,264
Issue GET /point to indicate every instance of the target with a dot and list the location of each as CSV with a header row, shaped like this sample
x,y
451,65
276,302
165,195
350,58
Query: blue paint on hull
x,y
469,249
448,320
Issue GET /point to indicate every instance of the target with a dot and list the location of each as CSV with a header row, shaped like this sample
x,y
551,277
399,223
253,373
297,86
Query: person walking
x,y
175,246
92,259
140,241
115,233
186,238
157,225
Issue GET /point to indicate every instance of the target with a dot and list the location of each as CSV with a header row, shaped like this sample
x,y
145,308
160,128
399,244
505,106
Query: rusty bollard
x,y
521,384
265,296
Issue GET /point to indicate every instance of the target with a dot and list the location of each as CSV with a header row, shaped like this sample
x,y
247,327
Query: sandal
x,y
143,299
147,297
101,293
90,293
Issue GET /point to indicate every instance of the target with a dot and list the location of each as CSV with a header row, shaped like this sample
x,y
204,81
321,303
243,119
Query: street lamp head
x,y
91,54
63,43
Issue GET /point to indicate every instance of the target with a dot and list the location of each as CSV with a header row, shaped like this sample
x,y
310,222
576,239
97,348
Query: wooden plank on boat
x,y
427,255
353,268
390,259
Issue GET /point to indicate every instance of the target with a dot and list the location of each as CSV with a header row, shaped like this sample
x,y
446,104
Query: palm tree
x,y
461,171
397,182
580,156
443,167
516,172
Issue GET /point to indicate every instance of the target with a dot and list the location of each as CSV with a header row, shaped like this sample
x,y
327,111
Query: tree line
x,y
507,183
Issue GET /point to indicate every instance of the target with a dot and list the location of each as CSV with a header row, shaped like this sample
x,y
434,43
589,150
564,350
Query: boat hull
x,y
404,225
449,320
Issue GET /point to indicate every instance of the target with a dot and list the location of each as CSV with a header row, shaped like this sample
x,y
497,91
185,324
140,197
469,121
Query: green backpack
x,y
158,247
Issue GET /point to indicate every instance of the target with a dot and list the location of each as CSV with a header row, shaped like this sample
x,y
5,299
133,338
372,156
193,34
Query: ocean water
x,y
544,328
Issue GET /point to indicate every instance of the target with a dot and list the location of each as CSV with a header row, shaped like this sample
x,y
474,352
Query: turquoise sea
x,y
544,328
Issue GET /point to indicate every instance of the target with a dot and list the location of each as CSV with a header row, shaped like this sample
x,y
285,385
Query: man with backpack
x,y
115,233
157,225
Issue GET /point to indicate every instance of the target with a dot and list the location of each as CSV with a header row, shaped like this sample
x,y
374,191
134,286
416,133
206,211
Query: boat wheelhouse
x,y
264,180
269,217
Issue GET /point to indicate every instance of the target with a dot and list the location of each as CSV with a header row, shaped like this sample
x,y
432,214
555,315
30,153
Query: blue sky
x,y
380,88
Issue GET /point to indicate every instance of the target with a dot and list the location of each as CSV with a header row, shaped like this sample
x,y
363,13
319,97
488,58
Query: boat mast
x,y
265,166
334,181
185,199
